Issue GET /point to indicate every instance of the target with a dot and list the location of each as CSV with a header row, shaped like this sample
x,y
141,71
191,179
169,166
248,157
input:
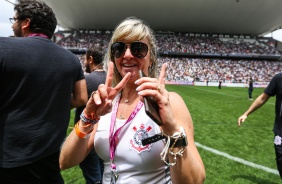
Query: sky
x,y
7,11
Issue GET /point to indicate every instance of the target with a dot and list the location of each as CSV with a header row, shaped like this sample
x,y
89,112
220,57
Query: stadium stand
x,y
198,57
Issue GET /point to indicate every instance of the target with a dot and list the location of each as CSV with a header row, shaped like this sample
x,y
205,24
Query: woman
x,y
123,124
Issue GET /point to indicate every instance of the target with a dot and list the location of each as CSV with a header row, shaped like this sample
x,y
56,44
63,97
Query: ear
x,y
151,62
25,24
91,60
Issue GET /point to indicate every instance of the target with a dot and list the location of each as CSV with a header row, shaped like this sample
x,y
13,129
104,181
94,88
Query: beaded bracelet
x,y
87,120
168,147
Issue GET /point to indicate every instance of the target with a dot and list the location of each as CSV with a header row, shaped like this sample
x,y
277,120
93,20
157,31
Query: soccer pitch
x,y
231,154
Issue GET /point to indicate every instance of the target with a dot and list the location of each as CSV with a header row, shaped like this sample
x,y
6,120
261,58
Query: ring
x,y
159,88
93,93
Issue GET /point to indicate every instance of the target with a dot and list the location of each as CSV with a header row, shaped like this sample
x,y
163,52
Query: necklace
x,y
125,104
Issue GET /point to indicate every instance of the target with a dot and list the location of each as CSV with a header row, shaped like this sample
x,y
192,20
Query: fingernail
x,y
136,82
137,89
140,93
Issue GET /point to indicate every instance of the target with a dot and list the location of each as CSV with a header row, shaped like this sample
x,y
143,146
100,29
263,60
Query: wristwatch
x,y
181,141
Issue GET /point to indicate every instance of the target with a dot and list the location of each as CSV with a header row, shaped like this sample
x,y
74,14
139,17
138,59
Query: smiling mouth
x,y
129,65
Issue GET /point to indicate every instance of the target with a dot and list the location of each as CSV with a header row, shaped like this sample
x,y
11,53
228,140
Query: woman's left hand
x,y
156,88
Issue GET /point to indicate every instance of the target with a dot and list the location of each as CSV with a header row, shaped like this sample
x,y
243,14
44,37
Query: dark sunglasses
x,y
137,49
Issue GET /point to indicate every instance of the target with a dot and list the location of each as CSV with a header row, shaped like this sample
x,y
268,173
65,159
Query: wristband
x,y
154,138
79,133
181,141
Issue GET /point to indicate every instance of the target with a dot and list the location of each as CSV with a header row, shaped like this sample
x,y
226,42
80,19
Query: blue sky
x,y
7,11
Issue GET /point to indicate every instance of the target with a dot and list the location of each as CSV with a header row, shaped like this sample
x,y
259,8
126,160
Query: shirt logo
x,y
140,134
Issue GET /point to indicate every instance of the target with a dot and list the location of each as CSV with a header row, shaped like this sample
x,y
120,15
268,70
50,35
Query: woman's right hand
x,y
100,102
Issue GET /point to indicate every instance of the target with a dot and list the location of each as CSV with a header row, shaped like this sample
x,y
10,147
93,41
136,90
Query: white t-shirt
x,y
135,163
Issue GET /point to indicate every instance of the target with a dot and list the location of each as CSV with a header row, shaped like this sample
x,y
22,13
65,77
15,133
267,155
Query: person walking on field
x,y
273,88
40,82
250,89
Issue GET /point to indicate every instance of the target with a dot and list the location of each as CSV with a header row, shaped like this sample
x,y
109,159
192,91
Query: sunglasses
x,y
137,49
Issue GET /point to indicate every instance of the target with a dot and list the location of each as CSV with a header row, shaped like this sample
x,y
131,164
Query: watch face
x,y
181,142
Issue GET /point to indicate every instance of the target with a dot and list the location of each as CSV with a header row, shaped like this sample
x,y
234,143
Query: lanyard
x,y
38,34
114,135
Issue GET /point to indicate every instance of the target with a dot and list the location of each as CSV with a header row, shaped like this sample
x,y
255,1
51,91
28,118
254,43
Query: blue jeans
x,y
92,168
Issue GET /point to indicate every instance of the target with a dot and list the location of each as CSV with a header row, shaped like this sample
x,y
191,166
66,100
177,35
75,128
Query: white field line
x,y
222,93
236,159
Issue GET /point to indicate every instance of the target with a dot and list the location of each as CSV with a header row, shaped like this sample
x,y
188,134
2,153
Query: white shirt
x,y
135,163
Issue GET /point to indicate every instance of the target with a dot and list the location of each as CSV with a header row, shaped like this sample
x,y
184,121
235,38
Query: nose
x,y
128,53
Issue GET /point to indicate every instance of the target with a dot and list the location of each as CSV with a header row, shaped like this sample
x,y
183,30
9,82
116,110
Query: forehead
x,y
144,40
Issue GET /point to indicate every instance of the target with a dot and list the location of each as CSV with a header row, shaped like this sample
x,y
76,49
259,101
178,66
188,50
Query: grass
x,y
215,113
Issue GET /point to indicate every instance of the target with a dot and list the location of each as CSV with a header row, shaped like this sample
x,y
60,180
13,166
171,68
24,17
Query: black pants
x,y
278,153
44,171
250,91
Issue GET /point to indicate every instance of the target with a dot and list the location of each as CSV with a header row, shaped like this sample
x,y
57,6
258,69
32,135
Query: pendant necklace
x,y
125,103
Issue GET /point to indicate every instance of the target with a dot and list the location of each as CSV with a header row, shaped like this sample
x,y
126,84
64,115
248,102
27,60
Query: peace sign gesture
x,y
100,102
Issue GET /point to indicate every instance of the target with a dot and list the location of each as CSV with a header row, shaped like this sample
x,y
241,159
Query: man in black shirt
x,y
273,88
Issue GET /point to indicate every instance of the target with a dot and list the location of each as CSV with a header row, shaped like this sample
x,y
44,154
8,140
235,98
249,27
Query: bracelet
x,y
177,136
92,119
179,153
79,133
179,140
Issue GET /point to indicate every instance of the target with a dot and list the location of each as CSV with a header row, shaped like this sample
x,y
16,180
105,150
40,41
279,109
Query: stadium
x,y
201,41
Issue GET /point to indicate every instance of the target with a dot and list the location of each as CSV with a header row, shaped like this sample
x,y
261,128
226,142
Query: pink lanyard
x,y
114,135
38,34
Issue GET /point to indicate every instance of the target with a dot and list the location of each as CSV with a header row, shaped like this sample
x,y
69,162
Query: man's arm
x,y
255,105
79,96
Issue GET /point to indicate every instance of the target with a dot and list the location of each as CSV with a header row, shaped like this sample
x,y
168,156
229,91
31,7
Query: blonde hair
x,y
132,28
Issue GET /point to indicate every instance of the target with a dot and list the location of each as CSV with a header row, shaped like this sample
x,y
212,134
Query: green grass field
x,y
215,113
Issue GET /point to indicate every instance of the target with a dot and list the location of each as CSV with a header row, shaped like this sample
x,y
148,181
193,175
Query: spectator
x,y
92,166
274,88
250,88
40,83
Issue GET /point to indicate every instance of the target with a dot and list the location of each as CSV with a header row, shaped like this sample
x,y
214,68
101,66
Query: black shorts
x,y
44,171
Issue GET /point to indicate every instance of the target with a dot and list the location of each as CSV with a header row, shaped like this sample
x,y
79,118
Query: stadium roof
x,y
253,17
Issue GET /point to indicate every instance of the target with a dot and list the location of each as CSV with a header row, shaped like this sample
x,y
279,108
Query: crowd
x,y
213,69
198,69
216,45
179,43
227,70
85,40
